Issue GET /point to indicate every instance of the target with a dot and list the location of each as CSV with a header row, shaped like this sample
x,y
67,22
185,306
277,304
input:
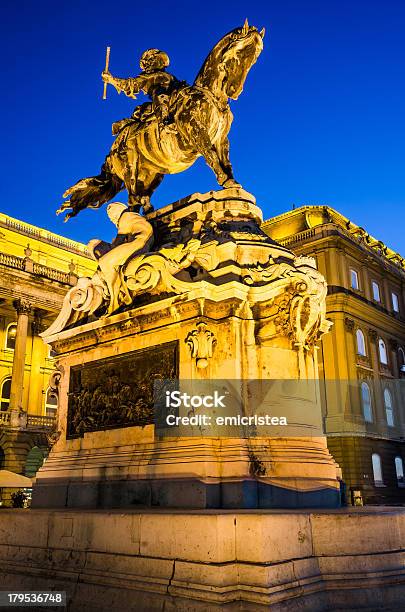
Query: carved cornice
x,y
342,226
44,236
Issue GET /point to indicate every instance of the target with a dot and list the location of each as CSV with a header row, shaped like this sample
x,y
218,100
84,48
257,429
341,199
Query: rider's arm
x,y
130,87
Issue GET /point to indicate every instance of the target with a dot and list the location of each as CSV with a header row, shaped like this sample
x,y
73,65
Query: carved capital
x,y
22,306
372,334
37,326
201,342
349,324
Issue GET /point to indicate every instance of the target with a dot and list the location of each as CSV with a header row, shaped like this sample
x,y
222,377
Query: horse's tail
x,y
91,192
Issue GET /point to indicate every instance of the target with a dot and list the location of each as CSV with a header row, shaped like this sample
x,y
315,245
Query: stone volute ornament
x,y
55,378
201,342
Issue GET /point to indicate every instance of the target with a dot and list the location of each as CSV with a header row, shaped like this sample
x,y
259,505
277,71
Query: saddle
x,y
145,113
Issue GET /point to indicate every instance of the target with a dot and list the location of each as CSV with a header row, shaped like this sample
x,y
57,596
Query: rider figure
x,y
154,81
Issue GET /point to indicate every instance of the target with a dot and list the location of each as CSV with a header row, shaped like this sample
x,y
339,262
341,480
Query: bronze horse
x,y
143,153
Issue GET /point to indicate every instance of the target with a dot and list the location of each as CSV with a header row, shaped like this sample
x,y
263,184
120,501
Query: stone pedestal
x,y
216,300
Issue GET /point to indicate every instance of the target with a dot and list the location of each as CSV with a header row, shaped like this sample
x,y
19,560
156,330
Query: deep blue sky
x,y
321,119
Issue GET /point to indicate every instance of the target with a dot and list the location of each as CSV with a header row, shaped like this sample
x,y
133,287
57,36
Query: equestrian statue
x,y
178,125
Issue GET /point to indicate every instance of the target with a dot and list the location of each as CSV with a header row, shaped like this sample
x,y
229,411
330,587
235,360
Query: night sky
x,y
321,119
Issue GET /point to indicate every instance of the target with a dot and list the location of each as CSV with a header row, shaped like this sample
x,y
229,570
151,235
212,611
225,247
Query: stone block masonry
x,y
194,560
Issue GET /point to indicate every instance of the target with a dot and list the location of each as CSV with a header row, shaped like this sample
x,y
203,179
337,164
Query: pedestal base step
x,y
195,561
181,493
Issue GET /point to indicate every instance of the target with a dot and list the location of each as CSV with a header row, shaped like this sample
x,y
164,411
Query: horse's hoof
x,y
231,183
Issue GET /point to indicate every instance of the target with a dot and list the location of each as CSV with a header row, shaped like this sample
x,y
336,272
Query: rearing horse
x,y
142,154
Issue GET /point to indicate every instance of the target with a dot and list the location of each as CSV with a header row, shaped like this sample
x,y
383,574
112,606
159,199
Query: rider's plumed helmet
x,y
153,59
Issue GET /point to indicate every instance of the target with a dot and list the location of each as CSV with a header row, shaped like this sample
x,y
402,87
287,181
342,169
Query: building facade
x,y
362,359
37,268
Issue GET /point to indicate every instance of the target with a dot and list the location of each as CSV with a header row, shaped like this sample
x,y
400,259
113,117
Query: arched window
x,y
51,403
382,352
366,402
354,279
376,291
389,412
377,470
11,334
361,343
399,468
5,394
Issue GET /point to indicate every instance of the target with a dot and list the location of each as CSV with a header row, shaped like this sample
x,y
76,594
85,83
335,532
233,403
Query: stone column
x,y
36,379
23,308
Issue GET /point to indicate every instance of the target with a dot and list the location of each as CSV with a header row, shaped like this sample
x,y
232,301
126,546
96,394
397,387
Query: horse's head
x,y
225,69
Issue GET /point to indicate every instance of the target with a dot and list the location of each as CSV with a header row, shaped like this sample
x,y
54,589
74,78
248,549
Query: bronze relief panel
x,y
118,391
